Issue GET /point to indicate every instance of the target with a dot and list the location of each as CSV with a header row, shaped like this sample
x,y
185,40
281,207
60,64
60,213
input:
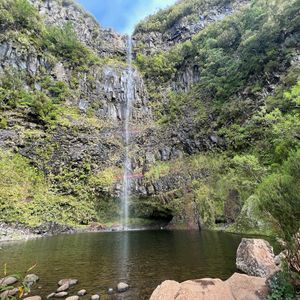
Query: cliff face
x,y
63,94
105,42
160,33
211,80
215,71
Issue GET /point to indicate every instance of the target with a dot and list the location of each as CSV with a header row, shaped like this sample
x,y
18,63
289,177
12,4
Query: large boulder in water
x,y
256,257
237,287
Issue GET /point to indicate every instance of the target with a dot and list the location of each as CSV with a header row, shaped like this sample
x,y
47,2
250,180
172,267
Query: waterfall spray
x,y
127,163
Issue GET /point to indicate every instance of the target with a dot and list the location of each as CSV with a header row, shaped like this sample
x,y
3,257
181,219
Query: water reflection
x,y
141,258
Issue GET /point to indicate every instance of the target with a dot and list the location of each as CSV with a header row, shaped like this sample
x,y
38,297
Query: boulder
x,y
256,257
8,280
201,289
237,287
122,287
30,279
95,297
248,287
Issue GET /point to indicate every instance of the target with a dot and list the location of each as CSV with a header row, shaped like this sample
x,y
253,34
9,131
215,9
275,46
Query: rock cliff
x,y
214,84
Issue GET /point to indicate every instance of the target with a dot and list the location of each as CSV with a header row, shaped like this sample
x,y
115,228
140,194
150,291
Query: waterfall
x,y
127,163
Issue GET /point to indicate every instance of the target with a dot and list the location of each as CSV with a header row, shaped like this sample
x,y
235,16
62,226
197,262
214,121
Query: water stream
x,y
127,163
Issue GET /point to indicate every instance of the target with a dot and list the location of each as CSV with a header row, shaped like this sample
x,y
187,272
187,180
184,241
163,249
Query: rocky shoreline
x,y
255,257
11,286
20,232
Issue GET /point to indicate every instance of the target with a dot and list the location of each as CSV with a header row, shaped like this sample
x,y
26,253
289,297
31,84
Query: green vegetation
x,y
18,15
166,18
13,95
281,288
224,53
237,59
63,43
25,196
23,287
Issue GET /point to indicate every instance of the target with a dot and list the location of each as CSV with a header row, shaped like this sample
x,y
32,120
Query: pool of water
x,y
143,259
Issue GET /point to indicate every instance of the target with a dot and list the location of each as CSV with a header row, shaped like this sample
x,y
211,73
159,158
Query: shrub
x,y
280,197
19,15
281,288
64,43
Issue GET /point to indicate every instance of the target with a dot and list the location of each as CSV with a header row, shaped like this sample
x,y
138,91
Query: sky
x,y
123,15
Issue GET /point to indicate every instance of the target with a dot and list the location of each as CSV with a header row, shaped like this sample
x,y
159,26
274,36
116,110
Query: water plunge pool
x,y
143,259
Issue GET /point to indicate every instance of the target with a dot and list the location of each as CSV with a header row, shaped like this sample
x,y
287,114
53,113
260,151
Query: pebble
x,y
9,280
61,294
63,287
33,298
95,297
70,281
72,298
81,293
122,287
50,295
8,293
110,290
31,279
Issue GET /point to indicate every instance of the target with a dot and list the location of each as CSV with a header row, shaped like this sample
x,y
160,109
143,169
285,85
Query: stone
x,y
9,280
95,297
248,287
280,257
61,294
201,289
122,287
256,257
63,287
81,293
30,279
9,293
71,282
237,287
33,298
110,290
73,298
50,295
